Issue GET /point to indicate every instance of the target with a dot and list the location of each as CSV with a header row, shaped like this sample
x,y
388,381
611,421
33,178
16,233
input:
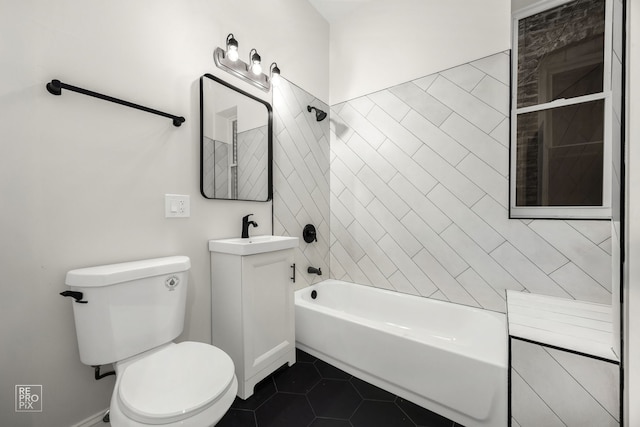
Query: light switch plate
x,y
176,206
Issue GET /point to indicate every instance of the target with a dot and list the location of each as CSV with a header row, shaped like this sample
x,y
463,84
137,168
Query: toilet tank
x,y
130,307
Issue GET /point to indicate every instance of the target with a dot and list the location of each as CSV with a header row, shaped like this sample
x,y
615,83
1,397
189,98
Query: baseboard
x,y
92,420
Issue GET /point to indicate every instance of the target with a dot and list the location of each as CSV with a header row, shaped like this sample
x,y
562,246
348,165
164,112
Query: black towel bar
x,y
55,88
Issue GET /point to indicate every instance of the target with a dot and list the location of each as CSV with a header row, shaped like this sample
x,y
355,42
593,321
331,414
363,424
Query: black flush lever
x,y
75,295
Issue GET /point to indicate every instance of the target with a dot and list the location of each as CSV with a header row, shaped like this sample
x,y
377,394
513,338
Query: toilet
x,y
128,315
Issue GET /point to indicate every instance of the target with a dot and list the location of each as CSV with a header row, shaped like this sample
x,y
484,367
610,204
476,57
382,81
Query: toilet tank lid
x,y
104,275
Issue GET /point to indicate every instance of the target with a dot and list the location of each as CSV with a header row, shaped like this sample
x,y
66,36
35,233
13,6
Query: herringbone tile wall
x,y
252,164
554,388
419,197
208,166
301,177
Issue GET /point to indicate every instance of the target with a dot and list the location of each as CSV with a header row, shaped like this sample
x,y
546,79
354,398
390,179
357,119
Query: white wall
x,y
631,292
516,5
385,43
83,181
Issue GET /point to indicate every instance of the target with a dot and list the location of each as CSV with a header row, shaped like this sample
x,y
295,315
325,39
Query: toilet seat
x,y
174,383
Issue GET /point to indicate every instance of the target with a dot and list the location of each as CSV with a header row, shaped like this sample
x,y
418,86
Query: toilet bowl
x,y
128,314
188,384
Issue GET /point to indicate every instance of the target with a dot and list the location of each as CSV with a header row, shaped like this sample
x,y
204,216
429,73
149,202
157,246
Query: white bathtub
x,y
448,358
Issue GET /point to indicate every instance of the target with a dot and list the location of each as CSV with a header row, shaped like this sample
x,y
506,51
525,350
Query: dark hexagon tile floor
x,y
313,393
334,399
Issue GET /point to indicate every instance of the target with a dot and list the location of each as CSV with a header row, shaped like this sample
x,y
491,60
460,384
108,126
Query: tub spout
x,y
313,270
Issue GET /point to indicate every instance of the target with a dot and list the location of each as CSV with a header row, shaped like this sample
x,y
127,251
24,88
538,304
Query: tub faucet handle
x,y
309,233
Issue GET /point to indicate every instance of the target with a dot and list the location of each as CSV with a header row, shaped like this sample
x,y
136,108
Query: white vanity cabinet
x,y
253,312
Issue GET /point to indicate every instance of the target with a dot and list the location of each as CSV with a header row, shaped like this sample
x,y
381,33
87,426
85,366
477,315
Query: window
x,y
560,142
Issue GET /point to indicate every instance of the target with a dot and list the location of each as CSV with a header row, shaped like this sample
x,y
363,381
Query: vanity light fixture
x,y
252,72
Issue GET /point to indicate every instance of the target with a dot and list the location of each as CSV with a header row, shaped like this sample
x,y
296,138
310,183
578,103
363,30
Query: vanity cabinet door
x,y
267,309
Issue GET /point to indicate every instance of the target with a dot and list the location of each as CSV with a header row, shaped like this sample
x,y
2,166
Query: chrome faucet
x,y
313,270
245,226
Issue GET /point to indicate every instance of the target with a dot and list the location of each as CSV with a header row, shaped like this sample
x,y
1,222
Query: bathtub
x,y
448,358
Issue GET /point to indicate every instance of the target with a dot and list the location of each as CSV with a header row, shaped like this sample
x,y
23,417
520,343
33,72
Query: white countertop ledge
x,y
580,326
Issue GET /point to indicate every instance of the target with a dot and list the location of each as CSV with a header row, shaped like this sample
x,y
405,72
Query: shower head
x,y
320,115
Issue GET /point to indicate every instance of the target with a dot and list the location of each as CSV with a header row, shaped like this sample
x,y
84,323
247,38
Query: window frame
x,y
562,212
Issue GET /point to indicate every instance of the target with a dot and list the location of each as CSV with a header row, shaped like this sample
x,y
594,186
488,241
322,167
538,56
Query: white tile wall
x,y
479,143
557,388
420,102
419,196
439,141
531,410
208,166
473,109
301,179
252,164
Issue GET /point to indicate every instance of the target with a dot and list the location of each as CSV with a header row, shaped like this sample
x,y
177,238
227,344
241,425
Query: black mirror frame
x,y
269,137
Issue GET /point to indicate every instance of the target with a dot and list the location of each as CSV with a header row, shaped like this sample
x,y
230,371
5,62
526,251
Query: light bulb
x,y
256,68
232,53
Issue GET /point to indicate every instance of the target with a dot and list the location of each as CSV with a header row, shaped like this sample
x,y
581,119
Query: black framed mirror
x,y
236,143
